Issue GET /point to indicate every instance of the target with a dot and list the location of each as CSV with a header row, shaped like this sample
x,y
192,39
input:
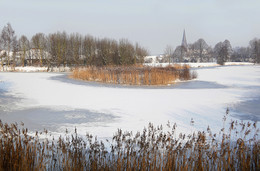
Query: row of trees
x,y
222,52
62,49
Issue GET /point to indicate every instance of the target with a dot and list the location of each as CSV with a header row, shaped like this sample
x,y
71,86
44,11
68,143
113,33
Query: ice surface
x,y
52,101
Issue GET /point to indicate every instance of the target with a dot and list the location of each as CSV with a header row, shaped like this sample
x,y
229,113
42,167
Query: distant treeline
x,y
222,52
62,49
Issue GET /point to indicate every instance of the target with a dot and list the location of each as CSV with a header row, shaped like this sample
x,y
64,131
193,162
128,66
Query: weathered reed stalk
x,y
151,149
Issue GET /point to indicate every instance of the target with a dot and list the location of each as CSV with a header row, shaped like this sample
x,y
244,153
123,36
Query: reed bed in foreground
x,y
135,75
152,149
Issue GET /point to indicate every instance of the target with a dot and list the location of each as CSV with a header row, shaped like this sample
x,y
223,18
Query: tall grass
x,y
135,75
152,149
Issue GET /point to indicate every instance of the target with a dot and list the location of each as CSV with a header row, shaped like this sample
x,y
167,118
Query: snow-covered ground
x,y
35,69
52,101
198,65
152,64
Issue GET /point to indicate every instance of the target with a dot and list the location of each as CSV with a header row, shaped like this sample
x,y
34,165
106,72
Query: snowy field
x,y
54,102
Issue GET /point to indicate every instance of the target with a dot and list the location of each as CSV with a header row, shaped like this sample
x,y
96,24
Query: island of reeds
x,y
155,148
135,75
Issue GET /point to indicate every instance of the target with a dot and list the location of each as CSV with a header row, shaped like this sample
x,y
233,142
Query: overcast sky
x,y
152,23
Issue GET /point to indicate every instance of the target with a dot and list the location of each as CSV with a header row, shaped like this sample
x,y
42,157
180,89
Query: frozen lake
x,y
54,102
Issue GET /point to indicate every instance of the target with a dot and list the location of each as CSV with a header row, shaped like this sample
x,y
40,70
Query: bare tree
x,y
201,46
140,53
229,50
221,53
75,44
89,49
61,47
8,37
255,49
15,48
103,52
39,44
241,54
51,49
126,52
168,52
24,46
2,52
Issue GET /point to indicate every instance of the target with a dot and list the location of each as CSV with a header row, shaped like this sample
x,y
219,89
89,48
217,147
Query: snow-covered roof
x,y
151,59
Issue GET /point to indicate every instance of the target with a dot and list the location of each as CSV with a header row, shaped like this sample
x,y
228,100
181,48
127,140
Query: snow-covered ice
x,y
53,101
198,65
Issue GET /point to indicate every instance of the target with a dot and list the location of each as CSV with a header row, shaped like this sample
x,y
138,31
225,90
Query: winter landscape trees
x,y
168,52
255,48
24,46
200,51
59,49
62,49
8,42
223,51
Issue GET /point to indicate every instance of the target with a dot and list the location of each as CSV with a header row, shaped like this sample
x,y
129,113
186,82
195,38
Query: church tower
x,y
183,48
184,41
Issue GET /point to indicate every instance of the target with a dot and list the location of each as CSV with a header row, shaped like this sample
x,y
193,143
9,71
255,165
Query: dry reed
x,y
151,149
135,75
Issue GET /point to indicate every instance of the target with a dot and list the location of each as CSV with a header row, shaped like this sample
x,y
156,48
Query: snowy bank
x,y
35,69
153,64
198,65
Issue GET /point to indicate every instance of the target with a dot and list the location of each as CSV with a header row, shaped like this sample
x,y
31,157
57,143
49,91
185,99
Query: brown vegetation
x,y
135,75
152,149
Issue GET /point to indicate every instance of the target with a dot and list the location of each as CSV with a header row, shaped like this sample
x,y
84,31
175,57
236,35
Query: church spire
x,y
184,41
